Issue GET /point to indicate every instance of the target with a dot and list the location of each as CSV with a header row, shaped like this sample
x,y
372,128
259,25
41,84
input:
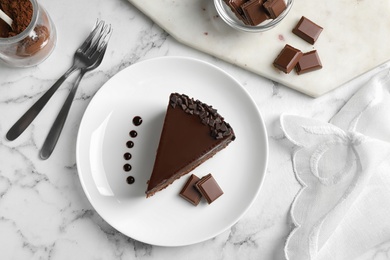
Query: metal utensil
x,y
81,60
56,129
5,18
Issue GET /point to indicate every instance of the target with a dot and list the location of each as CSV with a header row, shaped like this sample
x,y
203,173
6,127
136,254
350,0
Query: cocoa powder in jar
x,y
35,43
20,11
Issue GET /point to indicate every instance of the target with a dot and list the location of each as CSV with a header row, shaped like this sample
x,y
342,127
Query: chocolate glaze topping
x,y
207,114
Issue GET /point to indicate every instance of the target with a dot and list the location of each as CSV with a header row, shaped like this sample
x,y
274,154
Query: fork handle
x,y
58,125
18,128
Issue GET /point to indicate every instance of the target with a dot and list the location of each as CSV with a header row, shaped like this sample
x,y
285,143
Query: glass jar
x,y
34,44
231,19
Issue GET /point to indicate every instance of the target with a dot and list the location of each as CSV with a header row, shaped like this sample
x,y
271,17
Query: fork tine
x,y
100,42
103,45
86,44
105,39
101,51
93,47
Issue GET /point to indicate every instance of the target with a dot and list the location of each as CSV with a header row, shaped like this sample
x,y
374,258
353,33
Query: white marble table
x,y
44,213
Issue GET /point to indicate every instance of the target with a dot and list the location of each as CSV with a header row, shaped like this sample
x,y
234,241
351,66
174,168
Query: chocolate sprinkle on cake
x,y
207,114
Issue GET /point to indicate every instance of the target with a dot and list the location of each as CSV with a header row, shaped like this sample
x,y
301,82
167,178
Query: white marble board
x,y
354,39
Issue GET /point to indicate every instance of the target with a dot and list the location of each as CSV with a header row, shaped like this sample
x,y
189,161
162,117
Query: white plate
x,y
143,90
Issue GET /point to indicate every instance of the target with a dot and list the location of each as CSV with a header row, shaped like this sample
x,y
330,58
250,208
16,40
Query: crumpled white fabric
x,y
343,208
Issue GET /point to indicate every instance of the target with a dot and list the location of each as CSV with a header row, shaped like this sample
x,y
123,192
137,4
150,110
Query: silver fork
x,y
80,60
56,129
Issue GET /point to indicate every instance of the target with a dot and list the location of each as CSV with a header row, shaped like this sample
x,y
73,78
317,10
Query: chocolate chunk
x,y
307,30
310,61
189,192
173,99
224,127
202,114
214,133
255,12
185,101
275,7
227,132
211,122
235,6
213,111
209,188
287,58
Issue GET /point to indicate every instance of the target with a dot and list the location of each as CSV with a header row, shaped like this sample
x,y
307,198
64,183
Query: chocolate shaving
x,y
207,114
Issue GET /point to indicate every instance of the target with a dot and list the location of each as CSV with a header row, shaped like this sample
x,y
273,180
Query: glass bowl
x,y
231,19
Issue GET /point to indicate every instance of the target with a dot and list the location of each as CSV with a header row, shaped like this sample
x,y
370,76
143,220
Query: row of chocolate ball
x,y
137,121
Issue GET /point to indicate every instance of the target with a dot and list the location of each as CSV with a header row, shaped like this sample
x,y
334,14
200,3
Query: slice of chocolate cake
x,y
192,133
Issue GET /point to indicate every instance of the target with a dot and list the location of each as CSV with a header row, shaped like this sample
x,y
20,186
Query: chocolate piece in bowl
x,y
275,7
307,30
255,12
235,6
310,61
192,133
209,188
287,59
189,191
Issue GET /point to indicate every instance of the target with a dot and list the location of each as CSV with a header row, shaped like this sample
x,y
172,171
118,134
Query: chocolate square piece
x,y
310,61
235,6
209,188
307,30
189,192
275,7
287,59
255,12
